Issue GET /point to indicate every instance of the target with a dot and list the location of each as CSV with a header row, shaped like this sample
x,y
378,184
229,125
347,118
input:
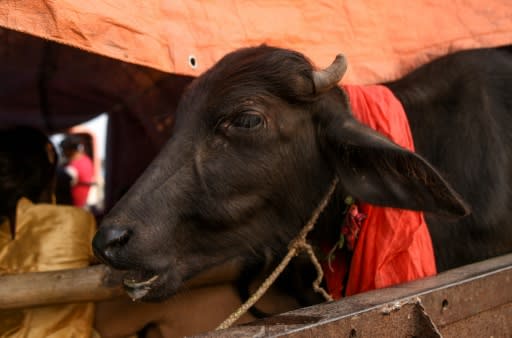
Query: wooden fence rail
x,y
471,301
54,287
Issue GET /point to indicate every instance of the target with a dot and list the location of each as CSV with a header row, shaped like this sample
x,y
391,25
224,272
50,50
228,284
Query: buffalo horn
x,y
329,77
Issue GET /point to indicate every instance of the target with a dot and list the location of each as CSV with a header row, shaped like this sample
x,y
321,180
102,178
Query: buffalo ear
x,y
378,171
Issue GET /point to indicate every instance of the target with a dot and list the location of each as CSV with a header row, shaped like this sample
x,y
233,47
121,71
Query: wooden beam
x,y
473,300
93,283
55,287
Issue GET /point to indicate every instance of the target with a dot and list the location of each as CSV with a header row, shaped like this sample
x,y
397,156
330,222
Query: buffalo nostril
x,y
108,240
108,244
124,237
117,237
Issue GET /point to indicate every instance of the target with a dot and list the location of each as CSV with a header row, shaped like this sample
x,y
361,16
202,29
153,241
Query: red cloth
x,y
83,166
394,245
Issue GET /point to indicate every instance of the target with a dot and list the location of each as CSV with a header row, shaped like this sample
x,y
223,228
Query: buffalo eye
x,y
247,120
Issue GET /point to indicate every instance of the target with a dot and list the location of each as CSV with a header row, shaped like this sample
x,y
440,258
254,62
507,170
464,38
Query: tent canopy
x,y
380,40
64,61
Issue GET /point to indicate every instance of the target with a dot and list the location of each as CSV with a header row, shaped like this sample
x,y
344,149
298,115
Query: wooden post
x,y
470,301
94,283
55,287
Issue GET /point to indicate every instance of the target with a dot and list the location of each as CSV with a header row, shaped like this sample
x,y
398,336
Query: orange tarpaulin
x,y
381,39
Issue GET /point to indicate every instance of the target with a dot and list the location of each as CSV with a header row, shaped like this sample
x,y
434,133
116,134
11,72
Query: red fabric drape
x,y
394,245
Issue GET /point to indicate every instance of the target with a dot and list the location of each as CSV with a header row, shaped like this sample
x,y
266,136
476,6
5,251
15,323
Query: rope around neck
x,y
296,245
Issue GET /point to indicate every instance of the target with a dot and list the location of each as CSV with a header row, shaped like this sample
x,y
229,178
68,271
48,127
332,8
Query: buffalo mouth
x,y
138,284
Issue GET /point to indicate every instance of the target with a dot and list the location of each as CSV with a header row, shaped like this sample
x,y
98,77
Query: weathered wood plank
x,y
472,300
93,283
475,299
496,322
54,287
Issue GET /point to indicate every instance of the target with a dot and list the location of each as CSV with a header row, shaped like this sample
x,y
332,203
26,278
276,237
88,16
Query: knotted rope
x,y
296,246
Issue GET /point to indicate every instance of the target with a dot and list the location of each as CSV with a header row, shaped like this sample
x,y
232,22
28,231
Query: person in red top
x,y
79,167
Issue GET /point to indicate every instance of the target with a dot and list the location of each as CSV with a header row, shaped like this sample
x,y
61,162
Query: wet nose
x,y
108,241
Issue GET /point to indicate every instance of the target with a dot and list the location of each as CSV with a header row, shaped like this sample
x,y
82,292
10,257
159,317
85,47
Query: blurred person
x,y
36,235
63,187
79,167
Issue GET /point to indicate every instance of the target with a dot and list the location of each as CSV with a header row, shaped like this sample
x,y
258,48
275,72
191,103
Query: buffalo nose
x,y
108,241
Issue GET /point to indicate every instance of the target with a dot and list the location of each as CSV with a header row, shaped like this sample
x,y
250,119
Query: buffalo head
x,y
258,139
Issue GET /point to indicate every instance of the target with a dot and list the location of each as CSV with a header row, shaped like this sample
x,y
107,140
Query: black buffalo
x,y
258,139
